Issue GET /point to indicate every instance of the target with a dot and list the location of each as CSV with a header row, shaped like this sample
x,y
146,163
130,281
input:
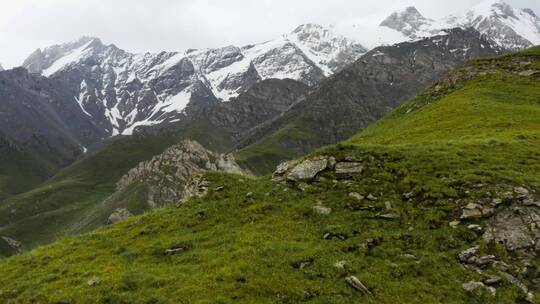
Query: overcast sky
x,y
155,25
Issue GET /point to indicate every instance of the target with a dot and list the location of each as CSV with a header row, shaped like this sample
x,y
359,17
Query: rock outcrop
x,y
119,215
177,174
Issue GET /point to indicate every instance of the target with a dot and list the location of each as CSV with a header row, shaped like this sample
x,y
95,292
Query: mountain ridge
x,y
511,28
122,91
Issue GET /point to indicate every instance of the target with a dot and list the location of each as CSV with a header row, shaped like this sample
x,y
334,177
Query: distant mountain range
x,y
71,97
121,91
511,28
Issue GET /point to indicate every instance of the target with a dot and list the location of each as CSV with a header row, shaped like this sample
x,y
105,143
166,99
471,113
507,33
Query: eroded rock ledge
x,y
177,174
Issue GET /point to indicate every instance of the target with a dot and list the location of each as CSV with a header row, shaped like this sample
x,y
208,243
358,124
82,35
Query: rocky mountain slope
x,y
41,129
362,93
407,211
120,91
80,197
510,28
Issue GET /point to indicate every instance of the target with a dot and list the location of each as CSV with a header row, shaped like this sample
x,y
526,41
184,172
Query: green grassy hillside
x,y
471,137
61,206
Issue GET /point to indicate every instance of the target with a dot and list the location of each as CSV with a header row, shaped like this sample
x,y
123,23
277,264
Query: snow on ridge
x,y
493,17
131,90
72,57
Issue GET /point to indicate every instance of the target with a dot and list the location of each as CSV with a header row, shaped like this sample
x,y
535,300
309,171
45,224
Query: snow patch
x,y
72,57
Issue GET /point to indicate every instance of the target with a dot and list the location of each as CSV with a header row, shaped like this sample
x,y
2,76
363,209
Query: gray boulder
x,y
516,228
119,215
308,169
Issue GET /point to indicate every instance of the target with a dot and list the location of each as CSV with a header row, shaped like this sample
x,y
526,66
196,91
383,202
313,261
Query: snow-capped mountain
x,y
121,91
1,68
411,23
511,28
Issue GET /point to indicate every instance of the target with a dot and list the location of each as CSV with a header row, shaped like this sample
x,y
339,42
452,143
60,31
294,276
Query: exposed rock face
x,y
34,106
516,228
308,169
119,215
365,91
410,22
174,175
121,91
476,211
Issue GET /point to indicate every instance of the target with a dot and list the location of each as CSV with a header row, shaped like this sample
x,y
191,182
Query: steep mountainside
x,y
510,28
76,199
41,130
121,91
436,203
359,95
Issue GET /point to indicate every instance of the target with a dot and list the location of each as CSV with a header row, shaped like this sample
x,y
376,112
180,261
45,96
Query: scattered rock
x,y
473,285
302,186
387,205
340,264
249,195
219,189
308,169
371,197
355,283
496,201
334,236
528,73
356,195
454,224
347,169
468,254
408,195
529,296
493,280
530,202
119,215
303,264
474,227
321,209
521,192
476,211
373,242
388,216
173,251
94,281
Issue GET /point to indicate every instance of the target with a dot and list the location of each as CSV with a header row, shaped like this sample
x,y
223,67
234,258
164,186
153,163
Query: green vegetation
x,y
24,169
251,240
69,202
261,157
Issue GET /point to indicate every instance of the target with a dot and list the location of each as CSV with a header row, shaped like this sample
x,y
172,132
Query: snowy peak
x,y
56,57
409,22
511,28
329,51
1,68
122,91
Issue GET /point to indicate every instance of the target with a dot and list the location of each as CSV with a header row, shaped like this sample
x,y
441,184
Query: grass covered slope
x,y
473,137
61,205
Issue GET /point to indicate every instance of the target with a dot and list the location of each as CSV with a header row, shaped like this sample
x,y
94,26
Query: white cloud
x,y
141,25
